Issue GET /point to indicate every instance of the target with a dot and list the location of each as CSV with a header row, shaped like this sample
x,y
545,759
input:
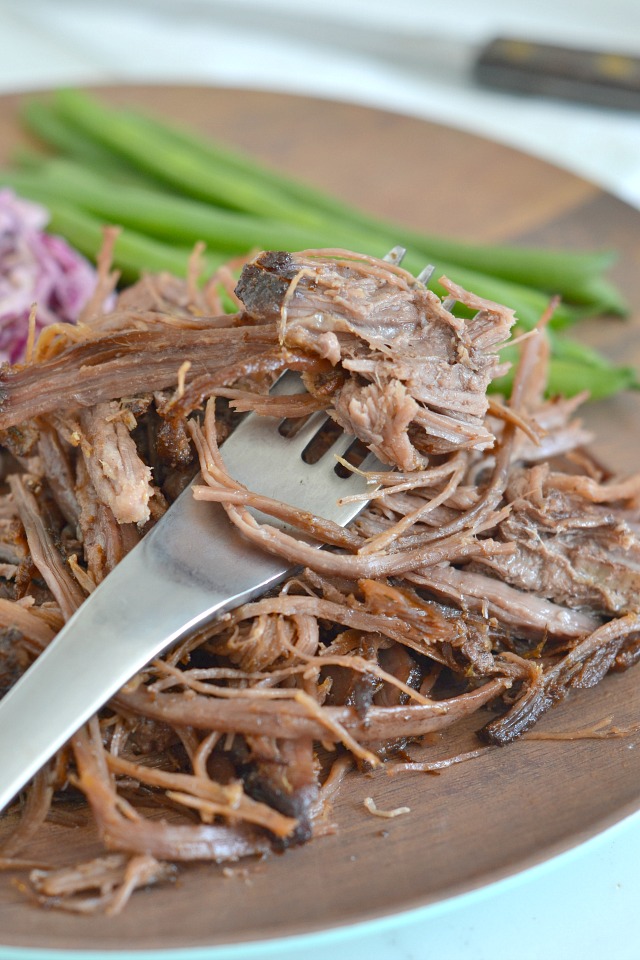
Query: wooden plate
x,y
479,821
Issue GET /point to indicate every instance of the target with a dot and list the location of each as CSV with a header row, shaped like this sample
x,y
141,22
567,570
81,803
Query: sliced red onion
x,y
36,267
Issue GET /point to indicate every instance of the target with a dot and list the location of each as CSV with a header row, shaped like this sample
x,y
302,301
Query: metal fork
x,y
190,568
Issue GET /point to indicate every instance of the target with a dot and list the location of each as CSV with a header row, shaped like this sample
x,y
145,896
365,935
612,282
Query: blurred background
x,y
414,57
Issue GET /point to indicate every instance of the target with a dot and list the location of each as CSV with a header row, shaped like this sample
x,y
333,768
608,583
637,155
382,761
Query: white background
x,y
584,904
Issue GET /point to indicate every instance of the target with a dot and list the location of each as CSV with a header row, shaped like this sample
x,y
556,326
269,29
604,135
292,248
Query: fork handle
x,y
198,568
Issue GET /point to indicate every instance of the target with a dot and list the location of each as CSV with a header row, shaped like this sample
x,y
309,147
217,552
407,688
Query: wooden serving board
x,y
496,815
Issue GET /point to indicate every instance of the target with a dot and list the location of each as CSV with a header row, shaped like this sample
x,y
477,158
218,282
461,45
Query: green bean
x,y
570,377
568,273
170,188
133,255
48,126
208,171
175,219
170,162
184,221
575,367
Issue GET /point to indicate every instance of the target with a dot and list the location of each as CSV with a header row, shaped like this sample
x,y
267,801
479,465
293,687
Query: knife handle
x,y
598,77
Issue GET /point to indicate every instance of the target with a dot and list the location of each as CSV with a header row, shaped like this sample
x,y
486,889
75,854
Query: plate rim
x,y
453,894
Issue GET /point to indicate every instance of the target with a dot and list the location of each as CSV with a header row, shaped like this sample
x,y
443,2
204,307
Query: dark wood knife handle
x,y
593,76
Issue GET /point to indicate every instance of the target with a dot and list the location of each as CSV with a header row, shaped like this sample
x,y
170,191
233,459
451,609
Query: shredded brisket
x,y
493,572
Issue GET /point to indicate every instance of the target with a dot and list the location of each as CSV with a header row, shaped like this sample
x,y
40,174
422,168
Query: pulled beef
x,y
113,364
567,548
285,775
479,576
122,481
13,658
409,359
583,666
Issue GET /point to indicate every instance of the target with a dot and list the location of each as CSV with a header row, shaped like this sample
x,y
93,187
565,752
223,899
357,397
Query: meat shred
x,y
495,569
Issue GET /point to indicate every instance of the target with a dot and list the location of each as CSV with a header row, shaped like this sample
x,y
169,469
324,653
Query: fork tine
x,y
425,274
371,462
294,445
288,383
395,255
340,446
297,443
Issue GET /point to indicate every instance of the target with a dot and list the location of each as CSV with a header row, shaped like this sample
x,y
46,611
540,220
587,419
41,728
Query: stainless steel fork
x,y
190,568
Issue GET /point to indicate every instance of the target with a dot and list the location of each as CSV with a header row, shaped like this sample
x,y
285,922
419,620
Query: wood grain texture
x,y
514,806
